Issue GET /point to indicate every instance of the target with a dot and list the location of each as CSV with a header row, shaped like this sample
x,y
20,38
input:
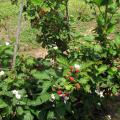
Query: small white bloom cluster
x,y
16,93
60,68
99,103
100,93
7,43
55,48
52,98
2,73
77,66
66,98
108,117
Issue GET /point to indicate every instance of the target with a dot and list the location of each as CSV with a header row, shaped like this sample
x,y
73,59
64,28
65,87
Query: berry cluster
x,y
62,94
73,75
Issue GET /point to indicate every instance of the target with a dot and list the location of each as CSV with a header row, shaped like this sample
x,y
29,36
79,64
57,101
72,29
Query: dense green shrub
x,y
74,84
51,18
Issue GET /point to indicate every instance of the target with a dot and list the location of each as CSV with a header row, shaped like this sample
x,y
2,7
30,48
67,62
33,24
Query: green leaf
x,y
40,75
89,38
42,114
36,2
97,48
30,61
51,72
68,87
102,69
50,115
84,80
8,52
63,61
87,64
87,88
97,2
112,70
46,85
39,100
2,104
28,116
117,41
111,28
114,90
20,110
106,2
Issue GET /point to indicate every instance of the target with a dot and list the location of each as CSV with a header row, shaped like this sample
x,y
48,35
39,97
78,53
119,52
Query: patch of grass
x,y
8,10
9,17
79,10
28,35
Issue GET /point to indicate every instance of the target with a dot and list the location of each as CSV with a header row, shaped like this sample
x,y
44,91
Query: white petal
x,y
15,92
53,96
77,66
2,73
18,96
55,48
7,43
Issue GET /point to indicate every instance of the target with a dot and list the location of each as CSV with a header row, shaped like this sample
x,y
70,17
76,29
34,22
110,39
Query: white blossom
x,y
109,117
55,48
99,103
7,43
100,93
60,68
66,99
18,96
16,93
77,66
52,98
2,73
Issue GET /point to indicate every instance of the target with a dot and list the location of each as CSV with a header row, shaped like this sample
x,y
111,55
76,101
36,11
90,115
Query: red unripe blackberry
x,y
59,92
77,71
71,78
71,68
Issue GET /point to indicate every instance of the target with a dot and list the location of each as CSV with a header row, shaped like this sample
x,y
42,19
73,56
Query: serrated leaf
x,y
46,85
